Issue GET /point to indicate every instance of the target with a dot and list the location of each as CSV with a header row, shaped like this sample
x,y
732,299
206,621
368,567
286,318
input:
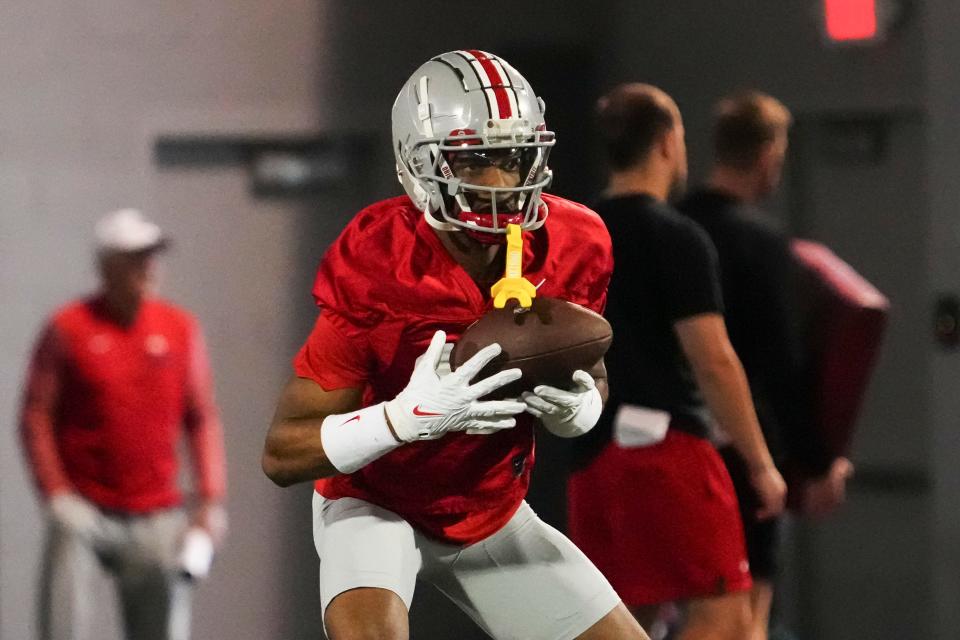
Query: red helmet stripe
x,y
497,82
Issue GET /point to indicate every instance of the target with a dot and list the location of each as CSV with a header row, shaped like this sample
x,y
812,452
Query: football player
x,y
416,475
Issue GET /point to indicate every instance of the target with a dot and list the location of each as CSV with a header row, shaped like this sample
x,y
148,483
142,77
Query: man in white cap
x,y
116,379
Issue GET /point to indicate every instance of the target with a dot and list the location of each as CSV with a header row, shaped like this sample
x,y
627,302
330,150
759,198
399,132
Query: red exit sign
x,y
851,20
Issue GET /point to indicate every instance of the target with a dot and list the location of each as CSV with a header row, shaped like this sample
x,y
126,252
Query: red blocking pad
x,y
845,318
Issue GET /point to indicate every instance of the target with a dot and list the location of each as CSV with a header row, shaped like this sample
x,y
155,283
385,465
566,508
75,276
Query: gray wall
x,y
86,86
942,23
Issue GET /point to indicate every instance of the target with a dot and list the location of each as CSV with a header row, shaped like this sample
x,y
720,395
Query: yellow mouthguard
x,y
513,285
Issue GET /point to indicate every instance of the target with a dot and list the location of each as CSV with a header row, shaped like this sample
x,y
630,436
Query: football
x,y
548,342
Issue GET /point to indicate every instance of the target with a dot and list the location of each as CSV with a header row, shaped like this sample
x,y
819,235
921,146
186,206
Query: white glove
x,y
566,413
443,367
75,514
435,402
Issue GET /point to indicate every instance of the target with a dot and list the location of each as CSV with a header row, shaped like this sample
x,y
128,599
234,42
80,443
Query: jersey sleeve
x,y
37,418
602,271
587,252
689,272
335,354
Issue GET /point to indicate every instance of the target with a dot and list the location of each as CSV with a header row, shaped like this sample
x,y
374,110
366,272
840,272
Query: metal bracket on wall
x,y
278,166
854,136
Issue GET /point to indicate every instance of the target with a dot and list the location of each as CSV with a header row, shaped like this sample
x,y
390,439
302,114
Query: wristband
x,y
353,440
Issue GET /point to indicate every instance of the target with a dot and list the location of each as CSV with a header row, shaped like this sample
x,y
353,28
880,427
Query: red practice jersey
x,y
384,287
105,407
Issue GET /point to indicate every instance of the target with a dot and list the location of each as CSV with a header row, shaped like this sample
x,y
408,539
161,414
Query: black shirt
x,y
758,281
665,270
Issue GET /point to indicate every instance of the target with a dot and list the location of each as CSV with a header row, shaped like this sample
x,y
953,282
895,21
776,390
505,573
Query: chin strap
x,y
513,285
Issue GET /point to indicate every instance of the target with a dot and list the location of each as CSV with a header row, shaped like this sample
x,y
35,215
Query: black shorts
x,y
763,537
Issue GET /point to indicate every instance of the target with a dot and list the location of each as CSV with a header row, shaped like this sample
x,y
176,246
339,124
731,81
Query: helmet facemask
x,y
481,210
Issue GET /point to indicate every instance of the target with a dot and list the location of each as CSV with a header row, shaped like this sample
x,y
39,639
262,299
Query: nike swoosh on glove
x,y
567,414
437,401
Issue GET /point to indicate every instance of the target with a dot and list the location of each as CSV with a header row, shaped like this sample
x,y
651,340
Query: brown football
x,y
548,342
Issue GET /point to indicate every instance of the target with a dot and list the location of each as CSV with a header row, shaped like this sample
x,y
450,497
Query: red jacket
x,y
105,406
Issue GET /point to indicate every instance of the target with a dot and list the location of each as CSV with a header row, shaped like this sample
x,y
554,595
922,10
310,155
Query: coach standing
x,y
115,381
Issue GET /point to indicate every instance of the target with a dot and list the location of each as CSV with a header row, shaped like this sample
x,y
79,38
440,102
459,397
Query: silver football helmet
x,y
471,103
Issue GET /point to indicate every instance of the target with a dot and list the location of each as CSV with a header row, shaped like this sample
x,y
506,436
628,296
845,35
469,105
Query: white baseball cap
x,y
128,231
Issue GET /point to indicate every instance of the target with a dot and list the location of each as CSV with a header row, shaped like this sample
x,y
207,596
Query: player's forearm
x,y
727,394
311,438
294,452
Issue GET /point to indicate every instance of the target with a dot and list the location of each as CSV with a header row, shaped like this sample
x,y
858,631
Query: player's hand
x,y
566,413
771,491
75,514
435,402
822,496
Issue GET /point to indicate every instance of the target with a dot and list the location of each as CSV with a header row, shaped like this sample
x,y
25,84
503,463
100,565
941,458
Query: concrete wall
x,y
86,87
